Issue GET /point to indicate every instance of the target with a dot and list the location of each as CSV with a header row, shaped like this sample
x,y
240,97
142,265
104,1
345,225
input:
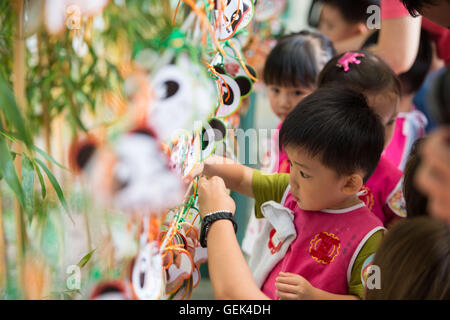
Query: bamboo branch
x,y
3,265
19,92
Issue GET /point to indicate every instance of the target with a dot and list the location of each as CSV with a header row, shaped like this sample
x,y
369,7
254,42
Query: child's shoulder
x,y
363,215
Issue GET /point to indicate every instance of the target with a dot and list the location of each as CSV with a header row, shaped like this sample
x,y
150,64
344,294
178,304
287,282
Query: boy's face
x,y
386,107
335,27
284,99
314,186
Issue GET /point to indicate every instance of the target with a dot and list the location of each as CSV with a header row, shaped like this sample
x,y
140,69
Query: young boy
x,y
319,234
340,20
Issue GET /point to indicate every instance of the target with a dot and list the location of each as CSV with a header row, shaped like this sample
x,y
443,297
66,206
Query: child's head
x,y
414,261
372,77
292,67
343,19
416,201
412,80
334,142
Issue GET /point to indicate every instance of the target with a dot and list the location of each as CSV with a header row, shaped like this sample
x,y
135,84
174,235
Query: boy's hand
x,y
196,171
292,286
199,168
213,196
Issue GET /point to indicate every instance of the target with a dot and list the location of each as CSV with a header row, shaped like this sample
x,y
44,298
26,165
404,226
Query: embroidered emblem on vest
x,y
397,204
324,247
274,243
367,197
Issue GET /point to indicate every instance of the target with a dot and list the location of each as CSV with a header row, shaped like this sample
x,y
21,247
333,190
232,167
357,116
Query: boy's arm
x,y
237,177
291,286
323,295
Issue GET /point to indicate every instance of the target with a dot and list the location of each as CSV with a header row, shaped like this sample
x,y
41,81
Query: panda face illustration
x,y
131,174
228,21
147,274
144,182
183,95
233,89
173,103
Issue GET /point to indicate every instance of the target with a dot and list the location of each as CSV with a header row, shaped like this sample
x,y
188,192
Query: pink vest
x,y
383,192
409,127
326,246
282,163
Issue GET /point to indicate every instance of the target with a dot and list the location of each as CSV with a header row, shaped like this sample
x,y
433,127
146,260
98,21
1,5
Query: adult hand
x,y
433,176
213,196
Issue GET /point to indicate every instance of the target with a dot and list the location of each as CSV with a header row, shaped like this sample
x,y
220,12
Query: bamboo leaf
x,y
41,179
8,171
48,157
28,184
9,135
56,186
85,259
12,113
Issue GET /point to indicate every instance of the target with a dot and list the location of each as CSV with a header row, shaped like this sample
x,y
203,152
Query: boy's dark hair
x,y
414,6
372,75
297,59
412,80
338,126
353,11
416,201
414,261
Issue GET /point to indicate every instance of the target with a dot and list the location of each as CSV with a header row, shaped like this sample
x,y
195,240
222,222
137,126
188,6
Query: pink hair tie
x,y
349,58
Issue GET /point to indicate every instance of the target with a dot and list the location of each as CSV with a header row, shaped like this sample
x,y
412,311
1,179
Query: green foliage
x,y
6,39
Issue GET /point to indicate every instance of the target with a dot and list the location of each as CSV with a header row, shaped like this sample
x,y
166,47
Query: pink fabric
x,y
391,9
409,127
324,247
283,160
441,37
395,150
381,187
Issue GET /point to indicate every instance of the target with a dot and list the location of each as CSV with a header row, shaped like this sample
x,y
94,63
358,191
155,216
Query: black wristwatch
x,y
212,217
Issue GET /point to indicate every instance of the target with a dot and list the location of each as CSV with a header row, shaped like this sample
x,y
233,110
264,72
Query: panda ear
x,y
220,130
252,72
220,69
144,130
81,152
244,84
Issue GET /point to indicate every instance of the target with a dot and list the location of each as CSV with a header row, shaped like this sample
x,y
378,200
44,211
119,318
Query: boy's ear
x,y
353,184
361,28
